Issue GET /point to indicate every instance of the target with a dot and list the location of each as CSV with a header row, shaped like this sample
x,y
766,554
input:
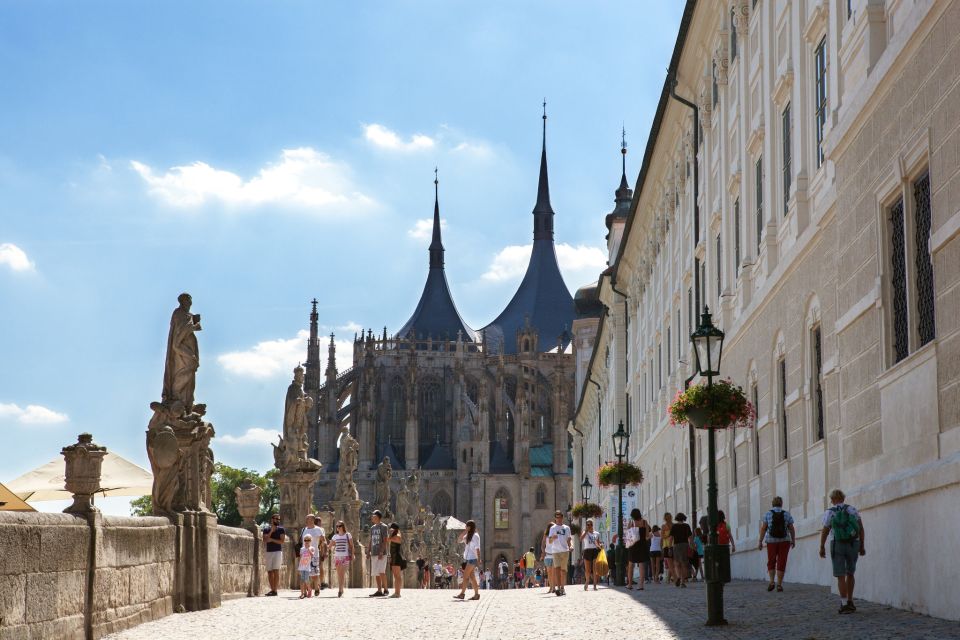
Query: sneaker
x,y
271,593
316,592
376,594
845,608
851,608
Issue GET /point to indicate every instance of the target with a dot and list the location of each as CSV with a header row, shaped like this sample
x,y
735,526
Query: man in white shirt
x,y
559,543
318,540
438,574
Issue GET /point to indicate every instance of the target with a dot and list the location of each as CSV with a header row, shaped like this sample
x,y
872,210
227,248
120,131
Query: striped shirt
x,y
341,546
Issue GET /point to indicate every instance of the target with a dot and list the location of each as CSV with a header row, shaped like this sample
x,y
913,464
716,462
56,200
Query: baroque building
x,y
482,414
824,239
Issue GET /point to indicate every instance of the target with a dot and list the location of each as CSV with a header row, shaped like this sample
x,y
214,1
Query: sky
x,y
261,154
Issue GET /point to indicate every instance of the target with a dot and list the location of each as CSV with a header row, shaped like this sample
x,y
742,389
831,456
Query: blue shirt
x,y
787,521
698,543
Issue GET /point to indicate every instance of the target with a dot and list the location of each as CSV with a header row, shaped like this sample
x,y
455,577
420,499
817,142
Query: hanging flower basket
x,y
587,510
574,529
723,405
614,473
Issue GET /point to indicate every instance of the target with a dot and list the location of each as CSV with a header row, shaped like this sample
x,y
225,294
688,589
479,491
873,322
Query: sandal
x,y
476,596
459,596
779,587
771,587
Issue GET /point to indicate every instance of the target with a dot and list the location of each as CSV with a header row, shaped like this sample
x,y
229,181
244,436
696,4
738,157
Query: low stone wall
x,y
241,565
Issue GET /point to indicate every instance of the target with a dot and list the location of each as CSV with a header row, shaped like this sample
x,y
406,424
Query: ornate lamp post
x,y
585,489
708,348
620,441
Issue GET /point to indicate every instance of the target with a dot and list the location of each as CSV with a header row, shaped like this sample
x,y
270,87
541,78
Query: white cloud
x,y
423,229
476,149
252,436
14,257
579,264
351,326
31,414
303,177
272,358
384,138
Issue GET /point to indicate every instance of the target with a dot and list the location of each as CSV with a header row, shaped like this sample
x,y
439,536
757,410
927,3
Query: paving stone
x,y
660,612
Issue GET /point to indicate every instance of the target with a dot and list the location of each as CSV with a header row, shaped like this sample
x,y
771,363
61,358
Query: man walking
x,y
848,543
378,554
529,568
778,532
273,537
559,543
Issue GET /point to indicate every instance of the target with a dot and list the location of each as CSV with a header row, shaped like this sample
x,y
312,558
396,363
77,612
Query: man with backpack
x,y
778,533
844,523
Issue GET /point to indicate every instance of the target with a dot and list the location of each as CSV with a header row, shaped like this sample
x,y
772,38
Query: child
x,y
305,567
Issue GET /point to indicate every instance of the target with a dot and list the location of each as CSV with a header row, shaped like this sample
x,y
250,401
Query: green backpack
x,y
845,525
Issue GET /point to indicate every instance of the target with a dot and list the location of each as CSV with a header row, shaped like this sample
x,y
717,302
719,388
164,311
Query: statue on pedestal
x,y
183,355
381,499
349,460
291,452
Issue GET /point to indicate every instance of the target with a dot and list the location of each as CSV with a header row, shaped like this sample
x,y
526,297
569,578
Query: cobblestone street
x,y
658,613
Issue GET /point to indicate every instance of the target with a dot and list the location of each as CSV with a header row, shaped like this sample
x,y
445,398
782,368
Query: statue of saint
x,y
183,355
413,497
349,460
381,496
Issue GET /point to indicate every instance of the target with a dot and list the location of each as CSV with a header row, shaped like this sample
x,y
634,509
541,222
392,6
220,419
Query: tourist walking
x,y
438,574
471,556
638,547
680,534
305,565
488,578
723,532
318,538
547,559
559,544
273,537
666,542
397,562
529,568
342,543
655,553
778,533
591,544
843,523
696,560
378,553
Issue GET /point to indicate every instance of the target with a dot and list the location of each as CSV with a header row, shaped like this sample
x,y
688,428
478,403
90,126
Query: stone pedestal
x,y
82,474
349,512
248,505
197,572
296,495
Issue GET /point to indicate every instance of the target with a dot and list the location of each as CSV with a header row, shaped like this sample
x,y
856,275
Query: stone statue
x,y
413,492
403,502
349,460
291,453
381,499
183,355
165,458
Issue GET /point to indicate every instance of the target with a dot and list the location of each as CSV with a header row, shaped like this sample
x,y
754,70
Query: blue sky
x,y
259,154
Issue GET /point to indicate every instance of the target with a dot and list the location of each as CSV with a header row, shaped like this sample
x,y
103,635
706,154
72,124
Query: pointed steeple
x,y
542,211
436,244
623,196
312,366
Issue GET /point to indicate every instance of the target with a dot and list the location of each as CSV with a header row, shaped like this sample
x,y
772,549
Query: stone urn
x,y
82,473
248,501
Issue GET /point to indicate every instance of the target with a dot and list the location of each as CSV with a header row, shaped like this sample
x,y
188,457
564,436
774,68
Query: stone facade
x,y
828,251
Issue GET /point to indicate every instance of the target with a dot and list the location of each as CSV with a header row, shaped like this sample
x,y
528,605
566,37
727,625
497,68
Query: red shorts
x,y
777,555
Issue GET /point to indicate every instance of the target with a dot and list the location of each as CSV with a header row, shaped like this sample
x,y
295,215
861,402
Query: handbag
x,y
600,565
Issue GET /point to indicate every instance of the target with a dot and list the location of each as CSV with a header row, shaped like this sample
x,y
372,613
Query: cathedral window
x,y
541,497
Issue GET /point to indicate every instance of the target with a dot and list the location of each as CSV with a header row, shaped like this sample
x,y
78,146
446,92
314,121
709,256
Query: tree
x,y
225,479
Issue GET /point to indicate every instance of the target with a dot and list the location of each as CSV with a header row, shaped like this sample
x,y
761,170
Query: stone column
x,y
248,505
82,474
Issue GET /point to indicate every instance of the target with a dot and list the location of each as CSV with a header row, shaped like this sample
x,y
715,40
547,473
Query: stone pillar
x,y
248,505
349,512
296,495
82,474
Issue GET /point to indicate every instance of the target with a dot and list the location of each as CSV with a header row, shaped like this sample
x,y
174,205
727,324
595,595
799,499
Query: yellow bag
x,y
600,565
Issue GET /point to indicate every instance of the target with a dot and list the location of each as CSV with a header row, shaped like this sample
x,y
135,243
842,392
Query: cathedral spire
x,y
312,366
542,211
624,193
436,245
331,359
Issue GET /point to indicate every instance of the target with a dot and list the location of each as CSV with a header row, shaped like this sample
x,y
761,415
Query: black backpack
x,y
778,524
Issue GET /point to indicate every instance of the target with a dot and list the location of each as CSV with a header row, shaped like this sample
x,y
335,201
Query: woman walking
x,y
680,534
666,542
778,532
342,554
397,562
471,555
655,553
723,532
638,553
592,544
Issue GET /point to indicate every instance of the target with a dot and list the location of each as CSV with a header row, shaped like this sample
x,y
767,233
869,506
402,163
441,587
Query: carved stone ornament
x,y
82,473
248,501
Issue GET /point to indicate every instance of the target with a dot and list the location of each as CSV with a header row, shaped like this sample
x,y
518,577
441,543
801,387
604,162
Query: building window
x,y
659,366
736,236
758,196
703,285
669,359
787,174
909,235
441,503
820,94
691,321
755,398
716,88
733,457
733,35
541,497
679,335
782,389
719,269
849,9
817,382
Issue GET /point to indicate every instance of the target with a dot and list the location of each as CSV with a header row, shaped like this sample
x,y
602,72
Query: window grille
x,y
703,285
755,398
898,282
659,365
787,174
733,35
719,269
669,359
782,379
716,89
733,456
736,236
820,94
758,186
818,381
691,321
926,324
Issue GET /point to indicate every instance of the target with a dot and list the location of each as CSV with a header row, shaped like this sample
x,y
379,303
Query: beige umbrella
x,y
10,502
118,477
453,524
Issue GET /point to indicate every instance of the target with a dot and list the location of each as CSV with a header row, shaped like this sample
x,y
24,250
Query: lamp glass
x,y
620,441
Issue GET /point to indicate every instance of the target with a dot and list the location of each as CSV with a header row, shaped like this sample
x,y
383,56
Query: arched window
x,y
431,412
441,504
501,509
541,497
396,411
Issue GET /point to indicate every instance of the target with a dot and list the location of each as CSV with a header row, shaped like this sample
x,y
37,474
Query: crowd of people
x,y
669,553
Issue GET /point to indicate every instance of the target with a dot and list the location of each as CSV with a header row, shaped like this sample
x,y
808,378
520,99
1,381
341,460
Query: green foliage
x,y
724,404
225,479
587,510
614,473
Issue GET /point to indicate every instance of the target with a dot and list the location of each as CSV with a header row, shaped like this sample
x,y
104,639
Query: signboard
x,y
501,514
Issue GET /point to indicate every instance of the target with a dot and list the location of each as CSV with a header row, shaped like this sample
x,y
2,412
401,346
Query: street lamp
x,y
708,347
620,441
585,488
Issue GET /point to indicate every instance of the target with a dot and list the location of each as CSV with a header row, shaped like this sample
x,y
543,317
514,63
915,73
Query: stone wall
x,y
63,576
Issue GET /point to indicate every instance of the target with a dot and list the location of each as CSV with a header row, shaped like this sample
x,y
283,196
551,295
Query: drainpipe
x,y
672,80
